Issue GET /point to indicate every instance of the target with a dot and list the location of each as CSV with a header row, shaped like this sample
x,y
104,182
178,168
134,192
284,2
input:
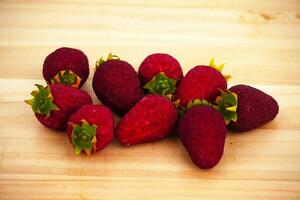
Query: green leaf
x,y
102,60
84,137
193,103
42,101
217,67
67,77
78,150
161,84
226,103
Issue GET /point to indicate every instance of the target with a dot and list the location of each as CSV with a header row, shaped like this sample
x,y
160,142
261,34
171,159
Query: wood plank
x,y
258,40
136,188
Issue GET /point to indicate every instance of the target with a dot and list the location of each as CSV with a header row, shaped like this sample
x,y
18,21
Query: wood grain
x,y
258,40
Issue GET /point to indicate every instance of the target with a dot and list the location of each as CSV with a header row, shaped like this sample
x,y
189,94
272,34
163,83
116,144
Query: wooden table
x,y
258,40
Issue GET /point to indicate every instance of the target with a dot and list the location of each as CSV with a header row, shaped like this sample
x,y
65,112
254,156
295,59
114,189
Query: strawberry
x,y
90,128
54,104
151,118
202,131
245,108
159,73
201,82
116,84
66,65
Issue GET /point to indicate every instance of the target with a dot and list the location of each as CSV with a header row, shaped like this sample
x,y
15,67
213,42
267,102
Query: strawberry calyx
x,y
102,59
176,103
219,68
84,137
192,103
226,103
67,77
161,84
42,101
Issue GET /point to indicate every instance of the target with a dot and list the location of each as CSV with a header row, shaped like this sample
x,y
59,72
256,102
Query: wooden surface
x,y
258,40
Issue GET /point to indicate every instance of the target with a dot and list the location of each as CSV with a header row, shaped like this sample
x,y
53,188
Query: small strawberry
x,y
201,82
202,131
159,73
66,65
54,104
151,118
116,84
245,108
90,128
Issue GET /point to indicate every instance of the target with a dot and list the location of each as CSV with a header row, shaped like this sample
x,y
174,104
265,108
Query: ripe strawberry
x,y
247,107
90,128
202,131
66,65
54,104
116,84
159,73
151,118
201,82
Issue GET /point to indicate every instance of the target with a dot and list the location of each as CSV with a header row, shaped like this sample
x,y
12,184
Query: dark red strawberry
x,y
159,73
201,82
66,65
90,128
54,104
152,118
116,84
202,131
246,108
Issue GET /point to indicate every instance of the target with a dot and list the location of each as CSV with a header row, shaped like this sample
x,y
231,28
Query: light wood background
x,y
258,40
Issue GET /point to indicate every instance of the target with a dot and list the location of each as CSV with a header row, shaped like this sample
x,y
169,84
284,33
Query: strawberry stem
x,y
226,103
42,101
213,65
102,60
219,68
67,77
161,84
84,137
192,103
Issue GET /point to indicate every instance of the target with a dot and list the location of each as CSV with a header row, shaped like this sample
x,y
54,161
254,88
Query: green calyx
x,y
213,65
84,137
219,68
226,103
109,57
161,84
192,103
198,102
42,101
67,77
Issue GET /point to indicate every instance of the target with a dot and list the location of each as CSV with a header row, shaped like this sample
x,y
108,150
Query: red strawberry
x,y
159,73
152,118
90,128
202,131
201,82
247,107
54,104
66,65
116,84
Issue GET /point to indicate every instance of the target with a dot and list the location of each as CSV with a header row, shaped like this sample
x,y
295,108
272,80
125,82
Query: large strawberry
x,y
66,65
245,108
116,84
54,104
90,128
159,73
201,82
152,118
202,131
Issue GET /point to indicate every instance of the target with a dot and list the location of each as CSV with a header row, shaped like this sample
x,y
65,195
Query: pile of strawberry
x,y
154,102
